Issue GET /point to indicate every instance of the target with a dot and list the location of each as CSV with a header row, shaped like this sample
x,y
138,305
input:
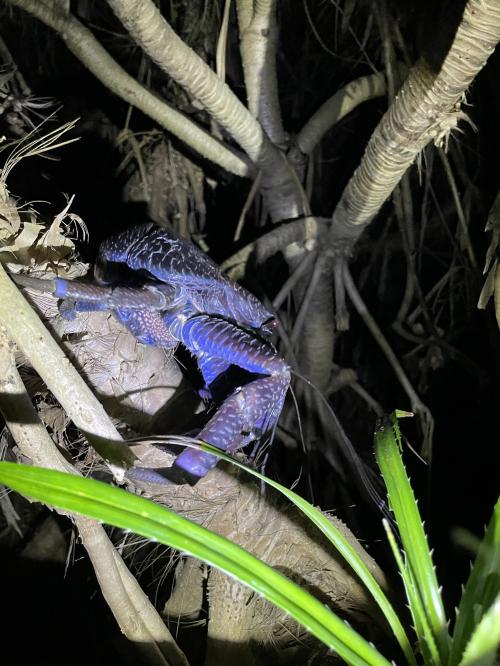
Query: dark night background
x,y
462,392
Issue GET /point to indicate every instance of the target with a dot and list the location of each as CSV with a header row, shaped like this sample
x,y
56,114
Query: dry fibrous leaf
x,y
31,245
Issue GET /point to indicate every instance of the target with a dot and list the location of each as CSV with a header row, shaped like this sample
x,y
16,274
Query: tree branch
x,y
427,108
258,41
48,359
280,187
82,43
337,107
133,611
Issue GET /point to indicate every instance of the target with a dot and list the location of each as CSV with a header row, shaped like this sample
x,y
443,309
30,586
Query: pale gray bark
x,y
135,614
427,108
258,42
281,536
337,107
81,42
281,189
50,362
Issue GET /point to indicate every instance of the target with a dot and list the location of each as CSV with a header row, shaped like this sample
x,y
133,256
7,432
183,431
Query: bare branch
x,y
426,109
280,186
48,359
82,43
337,107
417,405
133,611
258,42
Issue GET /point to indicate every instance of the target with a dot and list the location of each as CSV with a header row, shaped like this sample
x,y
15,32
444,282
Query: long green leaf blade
x,y
423,630
483,645
122,509
403,504
481,590
338,540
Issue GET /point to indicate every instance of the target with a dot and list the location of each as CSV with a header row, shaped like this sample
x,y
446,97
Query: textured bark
x,y
133,611
427,108
318,336
84,409
81,42
280,187
242,628
258,43
133,382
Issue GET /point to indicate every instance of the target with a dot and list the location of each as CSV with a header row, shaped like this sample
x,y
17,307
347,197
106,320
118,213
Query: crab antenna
x,y
353,457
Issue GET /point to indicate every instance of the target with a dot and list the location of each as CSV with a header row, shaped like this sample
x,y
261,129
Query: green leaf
x,y
423,630
482,588
338,540
422,576
482,648
122,509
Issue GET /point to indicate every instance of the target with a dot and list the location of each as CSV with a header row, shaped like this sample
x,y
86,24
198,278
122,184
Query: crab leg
x,y
211,369
222,339
88,297
252,409
243,417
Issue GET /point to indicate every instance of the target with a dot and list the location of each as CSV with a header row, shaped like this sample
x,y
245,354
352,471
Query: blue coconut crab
x,y
166,292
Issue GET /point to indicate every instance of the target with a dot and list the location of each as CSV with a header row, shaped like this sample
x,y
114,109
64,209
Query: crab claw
x,y
251,409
